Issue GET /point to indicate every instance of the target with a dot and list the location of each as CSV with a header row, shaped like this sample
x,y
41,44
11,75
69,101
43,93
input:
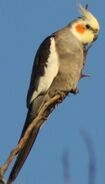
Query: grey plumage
x,y
70,51
66,80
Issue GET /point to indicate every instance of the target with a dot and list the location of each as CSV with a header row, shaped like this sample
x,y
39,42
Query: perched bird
x,y
57,68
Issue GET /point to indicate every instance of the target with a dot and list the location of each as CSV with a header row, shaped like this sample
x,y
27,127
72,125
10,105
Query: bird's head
x,y
86,27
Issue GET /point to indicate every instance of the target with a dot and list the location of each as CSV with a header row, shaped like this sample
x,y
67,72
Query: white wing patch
x,y
51,71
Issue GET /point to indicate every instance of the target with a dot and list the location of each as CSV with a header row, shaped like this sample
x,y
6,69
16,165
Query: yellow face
x,y
86,28
84,31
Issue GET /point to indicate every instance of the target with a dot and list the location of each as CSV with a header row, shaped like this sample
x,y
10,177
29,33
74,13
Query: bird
x,y
57,68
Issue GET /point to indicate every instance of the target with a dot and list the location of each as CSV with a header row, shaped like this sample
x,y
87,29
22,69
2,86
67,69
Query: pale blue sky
x,y
23,26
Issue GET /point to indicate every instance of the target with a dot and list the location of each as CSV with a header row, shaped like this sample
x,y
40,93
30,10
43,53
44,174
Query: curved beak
x,y
95,37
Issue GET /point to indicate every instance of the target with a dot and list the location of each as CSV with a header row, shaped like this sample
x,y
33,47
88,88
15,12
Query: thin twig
x,y
92,160
66,168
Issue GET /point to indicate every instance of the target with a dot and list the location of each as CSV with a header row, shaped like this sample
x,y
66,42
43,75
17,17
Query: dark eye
x,y
88,26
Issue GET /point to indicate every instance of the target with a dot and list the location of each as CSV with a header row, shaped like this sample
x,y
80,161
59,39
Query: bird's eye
x,y
88,26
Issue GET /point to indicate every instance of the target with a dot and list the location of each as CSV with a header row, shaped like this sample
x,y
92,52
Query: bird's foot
x,y
74,91
62,96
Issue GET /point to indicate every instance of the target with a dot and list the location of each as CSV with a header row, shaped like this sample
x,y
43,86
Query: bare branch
x,y
38,121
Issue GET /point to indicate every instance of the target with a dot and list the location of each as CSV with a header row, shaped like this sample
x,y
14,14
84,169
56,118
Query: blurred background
x,y
76,128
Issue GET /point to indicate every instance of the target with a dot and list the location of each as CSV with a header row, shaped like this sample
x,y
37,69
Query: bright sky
x,y
23,26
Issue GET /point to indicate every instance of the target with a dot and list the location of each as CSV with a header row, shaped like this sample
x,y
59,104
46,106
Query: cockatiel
x,y
57,68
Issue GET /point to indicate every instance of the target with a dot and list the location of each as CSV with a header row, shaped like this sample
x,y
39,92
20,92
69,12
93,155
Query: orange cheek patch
x,y
80,28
